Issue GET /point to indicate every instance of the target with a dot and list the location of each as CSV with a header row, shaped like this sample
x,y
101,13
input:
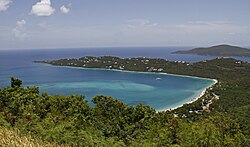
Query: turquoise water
x,y
159,91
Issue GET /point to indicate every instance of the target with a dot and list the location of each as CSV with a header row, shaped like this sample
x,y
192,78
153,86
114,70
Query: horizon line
x,y
105,47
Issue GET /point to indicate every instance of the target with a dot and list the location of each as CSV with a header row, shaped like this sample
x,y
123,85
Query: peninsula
x,y
204,69
219,50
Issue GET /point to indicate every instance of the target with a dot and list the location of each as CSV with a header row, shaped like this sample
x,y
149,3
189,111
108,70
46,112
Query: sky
x,y
38,24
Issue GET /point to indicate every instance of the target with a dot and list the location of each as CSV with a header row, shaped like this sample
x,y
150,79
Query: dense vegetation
x,y
219,50
69,119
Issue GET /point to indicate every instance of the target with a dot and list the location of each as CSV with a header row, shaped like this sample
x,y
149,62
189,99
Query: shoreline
x,y
128,71
193,99
215,81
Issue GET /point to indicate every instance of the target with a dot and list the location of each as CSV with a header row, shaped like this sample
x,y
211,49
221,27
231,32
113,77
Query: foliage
x,y
71,121
15,82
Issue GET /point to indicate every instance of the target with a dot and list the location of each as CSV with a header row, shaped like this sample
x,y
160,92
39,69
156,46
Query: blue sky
x,y
107,23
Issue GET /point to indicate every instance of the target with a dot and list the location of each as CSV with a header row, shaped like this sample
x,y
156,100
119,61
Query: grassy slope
x,y
10,137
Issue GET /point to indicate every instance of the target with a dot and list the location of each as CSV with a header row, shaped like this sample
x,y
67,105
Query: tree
x,y
15,82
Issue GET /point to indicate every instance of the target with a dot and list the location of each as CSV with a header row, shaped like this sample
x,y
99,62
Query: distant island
x,y
219,50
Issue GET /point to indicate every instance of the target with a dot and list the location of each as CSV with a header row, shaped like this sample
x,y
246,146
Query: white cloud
x,y
185,34
209,22
20,23
18,31
139,23
196,32
4,5
209,27
42,8
64,10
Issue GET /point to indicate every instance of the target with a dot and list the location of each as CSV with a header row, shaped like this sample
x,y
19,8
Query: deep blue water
x,y
131,88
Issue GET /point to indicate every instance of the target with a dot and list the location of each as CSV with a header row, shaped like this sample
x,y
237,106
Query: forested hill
x,y
220,50
219,68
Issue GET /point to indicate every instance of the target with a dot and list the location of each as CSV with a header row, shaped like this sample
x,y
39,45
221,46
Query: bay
x,y
157,90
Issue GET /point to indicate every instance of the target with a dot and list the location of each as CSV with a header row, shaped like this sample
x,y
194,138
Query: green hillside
x,y
220,50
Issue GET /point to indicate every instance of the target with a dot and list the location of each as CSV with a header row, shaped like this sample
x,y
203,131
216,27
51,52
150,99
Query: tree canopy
x,y
69,120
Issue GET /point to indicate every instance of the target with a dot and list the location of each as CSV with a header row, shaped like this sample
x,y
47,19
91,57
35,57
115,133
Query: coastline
x,y
128,71
215,81
193,99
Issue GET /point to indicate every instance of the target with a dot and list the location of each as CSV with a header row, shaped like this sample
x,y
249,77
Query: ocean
x,y
156,90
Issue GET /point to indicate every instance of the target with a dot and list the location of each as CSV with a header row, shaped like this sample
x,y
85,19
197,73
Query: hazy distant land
x,y
219,50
